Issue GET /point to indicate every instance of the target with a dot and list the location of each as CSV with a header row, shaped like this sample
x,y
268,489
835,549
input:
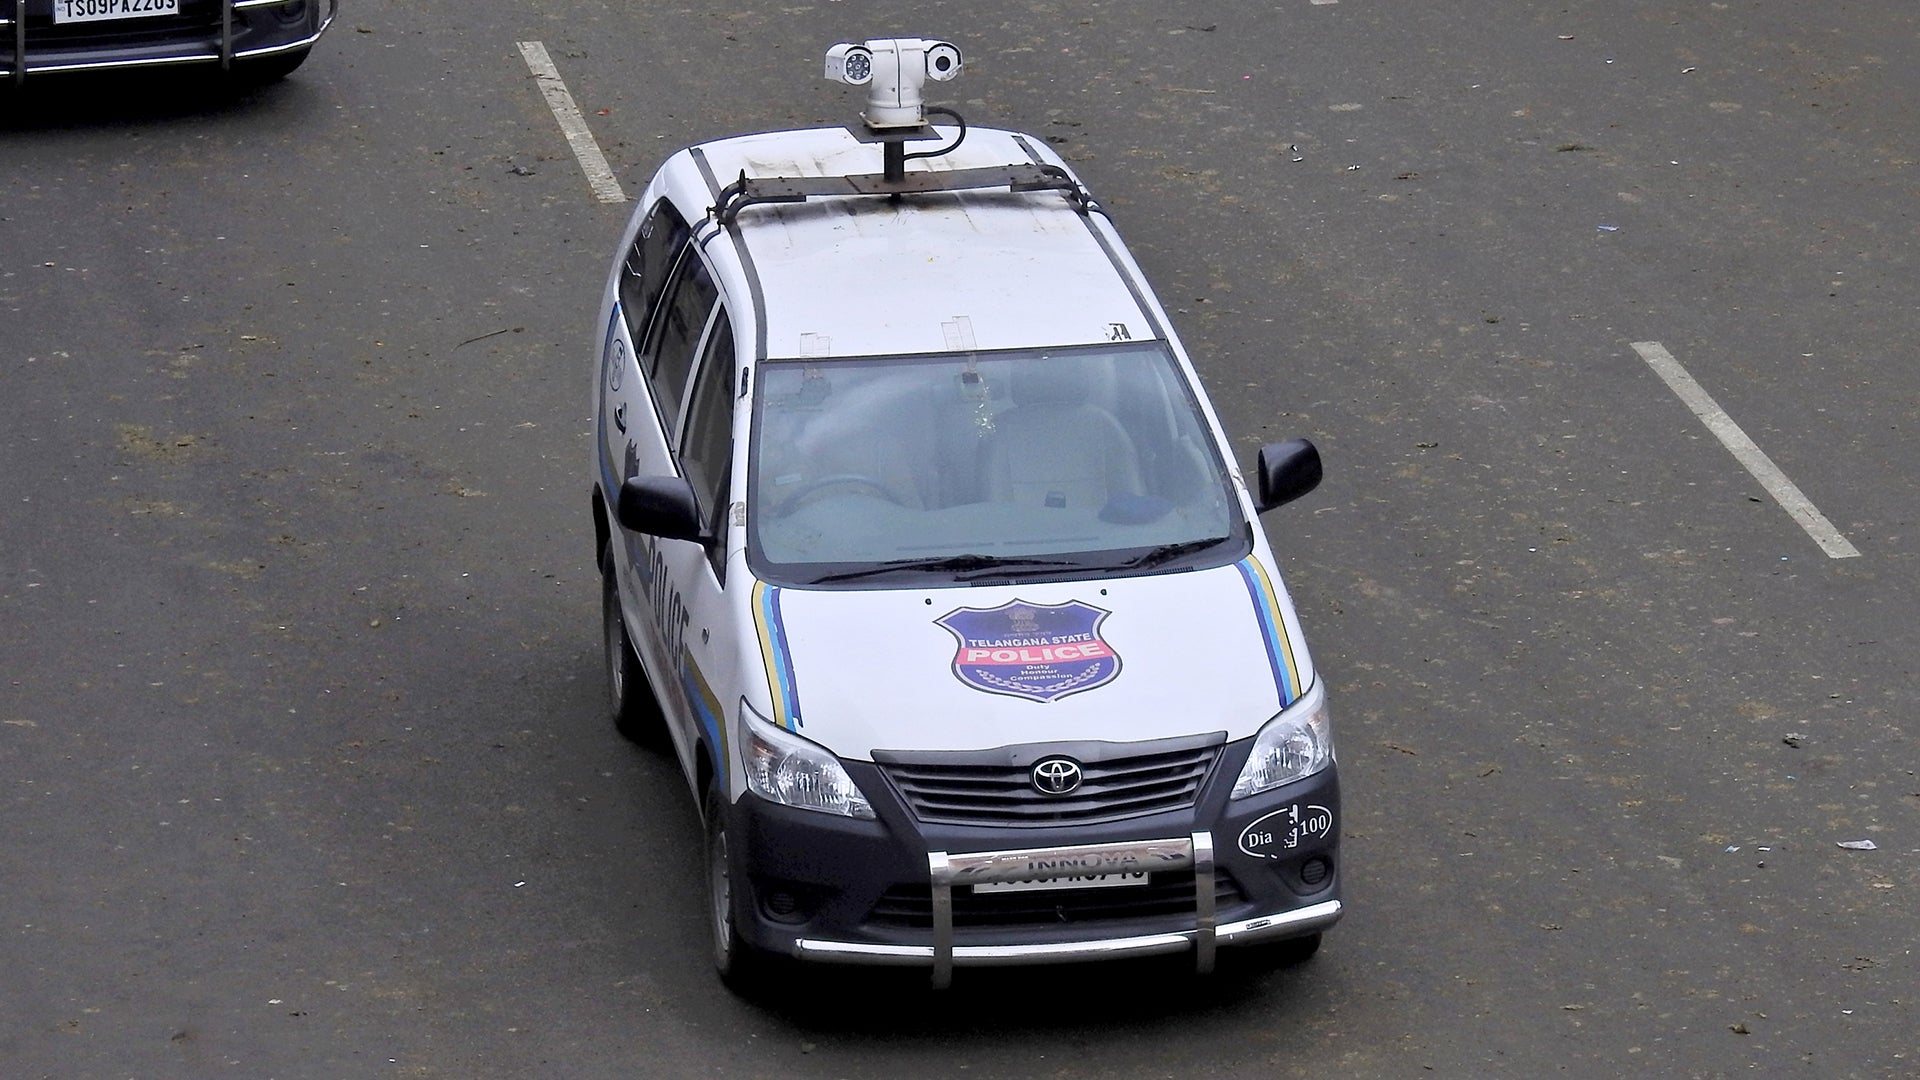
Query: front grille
x,y
1119,782
195,20
910,907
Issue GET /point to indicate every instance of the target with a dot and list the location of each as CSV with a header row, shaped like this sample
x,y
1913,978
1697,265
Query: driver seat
x,y
1055,447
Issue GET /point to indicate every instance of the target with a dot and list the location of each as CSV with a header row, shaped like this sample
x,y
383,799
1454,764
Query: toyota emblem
x,y
1057,776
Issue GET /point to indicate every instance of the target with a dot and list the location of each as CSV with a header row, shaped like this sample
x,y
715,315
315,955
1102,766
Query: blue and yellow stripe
x,y
1273,627
775,654
708,710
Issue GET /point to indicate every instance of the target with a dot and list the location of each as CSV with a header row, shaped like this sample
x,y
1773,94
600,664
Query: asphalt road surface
x,y
304,770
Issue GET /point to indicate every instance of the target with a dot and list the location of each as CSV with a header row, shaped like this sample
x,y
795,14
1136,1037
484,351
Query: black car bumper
x,y
222,32
899,891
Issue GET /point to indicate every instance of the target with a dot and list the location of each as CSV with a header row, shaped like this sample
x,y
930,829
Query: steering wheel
x,y
805,491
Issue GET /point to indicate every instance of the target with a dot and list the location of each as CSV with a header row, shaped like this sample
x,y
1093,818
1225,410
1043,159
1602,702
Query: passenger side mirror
x,y
662,506
1288,470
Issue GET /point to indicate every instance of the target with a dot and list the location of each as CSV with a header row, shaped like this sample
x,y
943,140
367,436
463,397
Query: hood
x,y
1114,660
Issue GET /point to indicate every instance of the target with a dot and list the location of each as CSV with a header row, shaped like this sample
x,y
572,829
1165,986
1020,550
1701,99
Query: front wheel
x,y
1294,951
262,70
1243,963
740,966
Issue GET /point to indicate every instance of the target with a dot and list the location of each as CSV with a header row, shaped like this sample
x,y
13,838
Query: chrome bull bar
x,y
946,870
19,35
998,867
17,22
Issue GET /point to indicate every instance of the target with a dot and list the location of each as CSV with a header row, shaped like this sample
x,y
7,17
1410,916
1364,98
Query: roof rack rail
x,y
746,192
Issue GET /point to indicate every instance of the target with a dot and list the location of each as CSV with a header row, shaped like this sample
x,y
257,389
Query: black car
x,y
262,39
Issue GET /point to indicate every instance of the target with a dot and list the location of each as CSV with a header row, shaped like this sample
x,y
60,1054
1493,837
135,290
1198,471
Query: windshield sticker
x,y
1041,652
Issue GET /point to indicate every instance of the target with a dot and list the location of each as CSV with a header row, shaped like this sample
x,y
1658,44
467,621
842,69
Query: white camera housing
x,y
850,64
943,61
894,70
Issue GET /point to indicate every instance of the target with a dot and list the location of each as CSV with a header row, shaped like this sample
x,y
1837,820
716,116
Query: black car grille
x,y
971,790
194,20
910,907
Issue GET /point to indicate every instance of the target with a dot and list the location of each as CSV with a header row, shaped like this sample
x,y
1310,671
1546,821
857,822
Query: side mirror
x,y
1288,470
662,506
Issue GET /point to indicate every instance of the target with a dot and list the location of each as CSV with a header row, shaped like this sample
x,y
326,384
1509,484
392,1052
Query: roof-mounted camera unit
x,y
895,71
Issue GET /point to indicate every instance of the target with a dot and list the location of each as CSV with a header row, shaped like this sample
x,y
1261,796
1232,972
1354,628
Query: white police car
x,y
922,544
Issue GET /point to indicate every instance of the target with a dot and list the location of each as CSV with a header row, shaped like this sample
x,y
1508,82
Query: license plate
x,y
1082,881
73,11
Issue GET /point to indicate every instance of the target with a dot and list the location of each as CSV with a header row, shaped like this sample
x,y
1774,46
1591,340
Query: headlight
x,y
1297,743
791,771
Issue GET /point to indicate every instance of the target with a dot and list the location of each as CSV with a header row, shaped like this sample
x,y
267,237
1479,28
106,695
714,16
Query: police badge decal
x,y
1041,652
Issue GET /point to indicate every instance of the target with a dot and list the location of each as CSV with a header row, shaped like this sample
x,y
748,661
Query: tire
x,y
1256,962
630,701
741,966
266,70
1294,951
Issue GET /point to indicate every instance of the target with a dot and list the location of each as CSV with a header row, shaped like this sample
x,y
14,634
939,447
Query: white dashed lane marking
x,y
1743,449
606,187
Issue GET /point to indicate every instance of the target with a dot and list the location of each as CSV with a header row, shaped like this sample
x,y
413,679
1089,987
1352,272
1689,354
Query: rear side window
x,y
683,319
707,454
643,278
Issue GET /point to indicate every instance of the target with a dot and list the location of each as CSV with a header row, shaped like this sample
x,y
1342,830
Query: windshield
x,y
981,468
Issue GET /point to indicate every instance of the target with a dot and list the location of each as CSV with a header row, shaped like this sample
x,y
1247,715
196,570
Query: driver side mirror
x,y
1288,470
662,506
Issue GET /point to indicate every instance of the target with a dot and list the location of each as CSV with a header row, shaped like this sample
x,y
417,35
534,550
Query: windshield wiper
x,y
1017,567
986,565
1166,553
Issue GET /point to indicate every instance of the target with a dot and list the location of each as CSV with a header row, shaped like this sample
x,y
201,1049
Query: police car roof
x,y
871,275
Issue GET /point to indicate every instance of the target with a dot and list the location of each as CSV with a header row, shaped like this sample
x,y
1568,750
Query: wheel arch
x,y
602,529
706,778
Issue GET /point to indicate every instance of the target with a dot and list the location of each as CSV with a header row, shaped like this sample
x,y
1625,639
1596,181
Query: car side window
x,y
668,359
706,456
643,275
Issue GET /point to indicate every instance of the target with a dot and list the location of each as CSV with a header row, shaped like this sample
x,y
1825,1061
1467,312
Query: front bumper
x,y
899,892
220,32
1193,853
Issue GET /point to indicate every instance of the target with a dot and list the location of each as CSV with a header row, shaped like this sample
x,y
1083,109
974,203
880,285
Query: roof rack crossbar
x,y
746,192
